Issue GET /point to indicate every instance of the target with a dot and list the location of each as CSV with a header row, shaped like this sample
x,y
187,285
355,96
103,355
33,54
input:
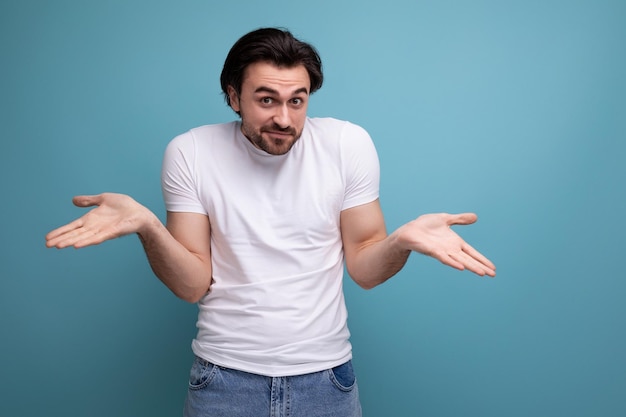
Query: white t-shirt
x,y
276,304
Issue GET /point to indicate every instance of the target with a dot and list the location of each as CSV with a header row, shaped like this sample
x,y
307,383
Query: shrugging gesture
x,y
180,255
372,256
115,215
431,235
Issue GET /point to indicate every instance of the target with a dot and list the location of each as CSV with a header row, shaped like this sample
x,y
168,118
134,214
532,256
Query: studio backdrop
x,y
514,110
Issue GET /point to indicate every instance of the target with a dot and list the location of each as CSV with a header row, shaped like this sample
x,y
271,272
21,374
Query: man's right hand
x,y
116,215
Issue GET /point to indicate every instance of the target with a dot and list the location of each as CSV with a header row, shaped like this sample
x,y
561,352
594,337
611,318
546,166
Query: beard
x,y
271,138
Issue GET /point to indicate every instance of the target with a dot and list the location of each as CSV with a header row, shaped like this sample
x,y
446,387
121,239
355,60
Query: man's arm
x,y
180,255
372,256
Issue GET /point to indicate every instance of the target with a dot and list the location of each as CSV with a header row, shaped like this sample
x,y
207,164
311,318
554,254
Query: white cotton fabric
x,y
276,304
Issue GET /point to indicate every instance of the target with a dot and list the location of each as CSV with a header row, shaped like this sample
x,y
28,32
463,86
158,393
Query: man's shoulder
x,y
213,130
204,133
330,124
325,122
337,128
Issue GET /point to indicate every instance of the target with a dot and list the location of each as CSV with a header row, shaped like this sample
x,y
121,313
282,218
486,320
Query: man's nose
x,y
282,117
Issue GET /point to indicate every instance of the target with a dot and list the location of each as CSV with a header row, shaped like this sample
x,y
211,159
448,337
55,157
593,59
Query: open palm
x,y
115,215
431,235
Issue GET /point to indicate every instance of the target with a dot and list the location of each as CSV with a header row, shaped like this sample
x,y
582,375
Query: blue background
x,y
515,110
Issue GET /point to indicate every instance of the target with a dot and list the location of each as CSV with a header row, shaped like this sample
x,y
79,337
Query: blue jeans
x,y
215,391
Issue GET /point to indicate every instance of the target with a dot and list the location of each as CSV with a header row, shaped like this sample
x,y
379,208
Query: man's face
x,y
272,104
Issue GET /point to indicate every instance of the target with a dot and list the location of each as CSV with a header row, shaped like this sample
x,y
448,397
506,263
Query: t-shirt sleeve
x,y
361,167
178,176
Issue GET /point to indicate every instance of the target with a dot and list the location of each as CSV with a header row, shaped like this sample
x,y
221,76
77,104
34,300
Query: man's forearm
x,y
377,262
182,260
186,274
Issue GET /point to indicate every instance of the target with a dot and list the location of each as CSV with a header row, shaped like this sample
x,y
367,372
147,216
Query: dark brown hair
x,y
277,46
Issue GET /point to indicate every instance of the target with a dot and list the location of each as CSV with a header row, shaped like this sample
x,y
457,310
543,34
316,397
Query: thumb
x,y
462,218
87,200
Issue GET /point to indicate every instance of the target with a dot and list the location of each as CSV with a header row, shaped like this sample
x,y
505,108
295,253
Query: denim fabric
x,y
215,391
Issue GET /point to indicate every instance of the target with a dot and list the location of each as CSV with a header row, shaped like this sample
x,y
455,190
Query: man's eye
x,y
297,101
266,100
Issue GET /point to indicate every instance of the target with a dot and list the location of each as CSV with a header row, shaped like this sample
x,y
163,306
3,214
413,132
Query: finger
x,y
462,218
449,261
87,200
467,248
94,237
68,228
79,238
66,239
471,264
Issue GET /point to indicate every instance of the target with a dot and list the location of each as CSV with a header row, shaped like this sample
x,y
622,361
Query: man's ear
x,y
233,98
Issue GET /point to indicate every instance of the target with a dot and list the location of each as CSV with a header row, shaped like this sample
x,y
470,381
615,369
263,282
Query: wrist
x,y
149,224
398,243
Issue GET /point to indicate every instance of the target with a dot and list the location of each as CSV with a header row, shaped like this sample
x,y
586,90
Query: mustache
x,y
276,128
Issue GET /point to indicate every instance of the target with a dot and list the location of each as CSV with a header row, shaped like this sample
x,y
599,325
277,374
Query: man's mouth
x,y
282,134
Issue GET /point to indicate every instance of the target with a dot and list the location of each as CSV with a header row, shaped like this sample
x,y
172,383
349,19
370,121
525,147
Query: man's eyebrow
x,y
266,90
269,90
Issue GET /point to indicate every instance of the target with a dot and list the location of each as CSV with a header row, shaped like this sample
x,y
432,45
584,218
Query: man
x,y
261,214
